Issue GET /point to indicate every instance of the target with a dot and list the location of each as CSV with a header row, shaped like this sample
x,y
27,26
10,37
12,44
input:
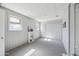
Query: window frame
x,y
19,23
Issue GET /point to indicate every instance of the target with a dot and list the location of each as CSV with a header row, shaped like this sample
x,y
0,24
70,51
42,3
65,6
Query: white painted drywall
x,y
65,31
52,29
17,38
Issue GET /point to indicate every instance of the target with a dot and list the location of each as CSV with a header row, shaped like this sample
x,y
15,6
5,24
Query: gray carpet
x,y
41,47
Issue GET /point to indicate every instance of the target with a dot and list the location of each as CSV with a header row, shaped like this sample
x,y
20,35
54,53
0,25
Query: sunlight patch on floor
x,y
48,39
30,52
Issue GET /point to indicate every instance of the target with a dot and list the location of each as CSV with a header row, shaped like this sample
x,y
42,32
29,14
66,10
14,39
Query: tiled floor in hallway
x,y
41,47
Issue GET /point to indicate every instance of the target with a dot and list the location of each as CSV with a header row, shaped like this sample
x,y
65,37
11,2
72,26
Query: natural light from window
x,y
48,39
14,24
30,52
15,20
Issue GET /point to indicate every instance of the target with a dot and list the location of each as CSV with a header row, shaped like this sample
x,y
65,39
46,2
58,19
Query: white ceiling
x,y
39,11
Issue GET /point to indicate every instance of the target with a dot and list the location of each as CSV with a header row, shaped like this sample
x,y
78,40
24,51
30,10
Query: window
x,y
14,20
14,24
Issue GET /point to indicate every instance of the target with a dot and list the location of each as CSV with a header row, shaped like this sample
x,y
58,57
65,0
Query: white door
x,y
2,31
77,29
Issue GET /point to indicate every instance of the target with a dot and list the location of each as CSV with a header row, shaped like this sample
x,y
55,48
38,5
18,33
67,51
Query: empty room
x,y
39,29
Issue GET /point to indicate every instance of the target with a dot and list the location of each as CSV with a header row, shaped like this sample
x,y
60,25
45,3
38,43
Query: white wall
x,y
52,29
13,38
65,31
